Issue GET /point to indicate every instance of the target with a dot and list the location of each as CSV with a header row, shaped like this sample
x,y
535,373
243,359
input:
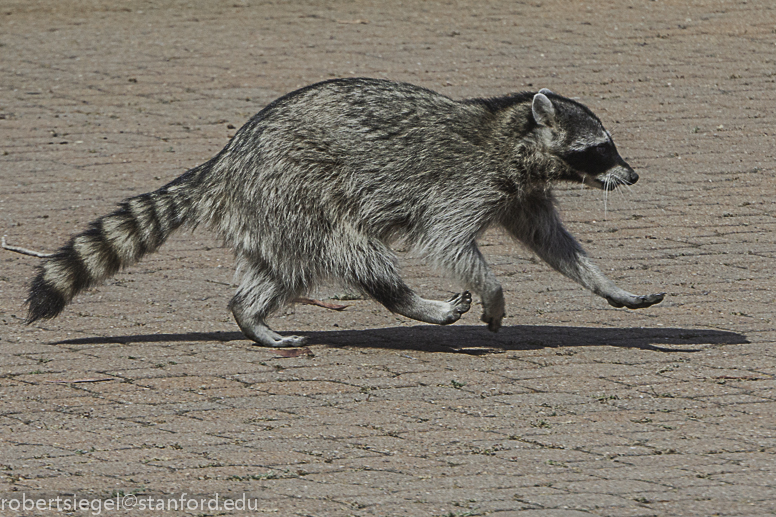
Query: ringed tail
x,y
139,226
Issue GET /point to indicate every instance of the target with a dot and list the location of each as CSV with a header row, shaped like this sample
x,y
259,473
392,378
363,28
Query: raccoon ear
x,y
543,110
546,91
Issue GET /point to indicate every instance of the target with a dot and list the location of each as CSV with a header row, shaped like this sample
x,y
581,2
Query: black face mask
x,y
593,160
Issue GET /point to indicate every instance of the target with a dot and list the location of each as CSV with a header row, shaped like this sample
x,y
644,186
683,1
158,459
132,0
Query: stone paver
x,y
144,390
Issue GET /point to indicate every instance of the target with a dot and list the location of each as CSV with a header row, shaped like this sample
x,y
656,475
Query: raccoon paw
x,y
493,323
460,303
290,341
263,336
638,302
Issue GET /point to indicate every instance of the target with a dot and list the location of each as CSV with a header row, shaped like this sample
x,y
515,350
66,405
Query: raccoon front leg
x,y
537,224
256,298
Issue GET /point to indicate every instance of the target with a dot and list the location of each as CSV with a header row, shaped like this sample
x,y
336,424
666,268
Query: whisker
x,y
627,196
622,195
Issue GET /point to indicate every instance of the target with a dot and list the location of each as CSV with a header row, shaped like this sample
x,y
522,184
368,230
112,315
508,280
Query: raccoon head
x,y
571,132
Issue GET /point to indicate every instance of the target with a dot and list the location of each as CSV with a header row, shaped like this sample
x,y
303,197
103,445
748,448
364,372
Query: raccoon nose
x,y
630,175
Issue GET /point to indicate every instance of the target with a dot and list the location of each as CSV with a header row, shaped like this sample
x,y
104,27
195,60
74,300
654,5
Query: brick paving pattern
x,y
145,387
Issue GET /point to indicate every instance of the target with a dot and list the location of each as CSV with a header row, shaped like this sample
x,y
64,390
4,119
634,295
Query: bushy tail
x,y
115,241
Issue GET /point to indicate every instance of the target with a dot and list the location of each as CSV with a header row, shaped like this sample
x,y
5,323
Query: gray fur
x,y
319,184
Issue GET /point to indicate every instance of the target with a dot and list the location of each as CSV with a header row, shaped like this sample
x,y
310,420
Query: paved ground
x,y
145,388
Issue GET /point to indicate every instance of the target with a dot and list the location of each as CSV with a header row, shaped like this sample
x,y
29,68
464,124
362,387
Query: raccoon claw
x,y
639,302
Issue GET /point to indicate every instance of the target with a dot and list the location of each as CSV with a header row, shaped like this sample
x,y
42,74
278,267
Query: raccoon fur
x,y
317,186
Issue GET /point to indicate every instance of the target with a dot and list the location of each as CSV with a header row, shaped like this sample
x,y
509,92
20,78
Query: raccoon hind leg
x,y
469,266
258,295
375,273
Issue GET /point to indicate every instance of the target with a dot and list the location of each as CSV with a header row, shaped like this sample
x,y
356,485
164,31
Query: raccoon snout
x,y
612,178
625,174
629,176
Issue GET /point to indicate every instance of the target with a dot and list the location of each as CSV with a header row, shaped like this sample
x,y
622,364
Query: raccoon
x,y
319,184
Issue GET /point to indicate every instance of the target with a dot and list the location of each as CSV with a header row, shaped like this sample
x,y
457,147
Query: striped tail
x,y
115,241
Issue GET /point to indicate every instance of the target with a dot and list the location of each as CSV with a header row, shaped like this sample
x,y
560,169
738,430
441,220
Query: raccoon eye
x,y
602,149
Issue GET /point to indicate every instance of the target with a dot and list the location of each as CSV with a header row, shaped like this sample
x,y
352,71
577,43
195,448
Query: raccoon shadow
x,y
477,340
472,340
